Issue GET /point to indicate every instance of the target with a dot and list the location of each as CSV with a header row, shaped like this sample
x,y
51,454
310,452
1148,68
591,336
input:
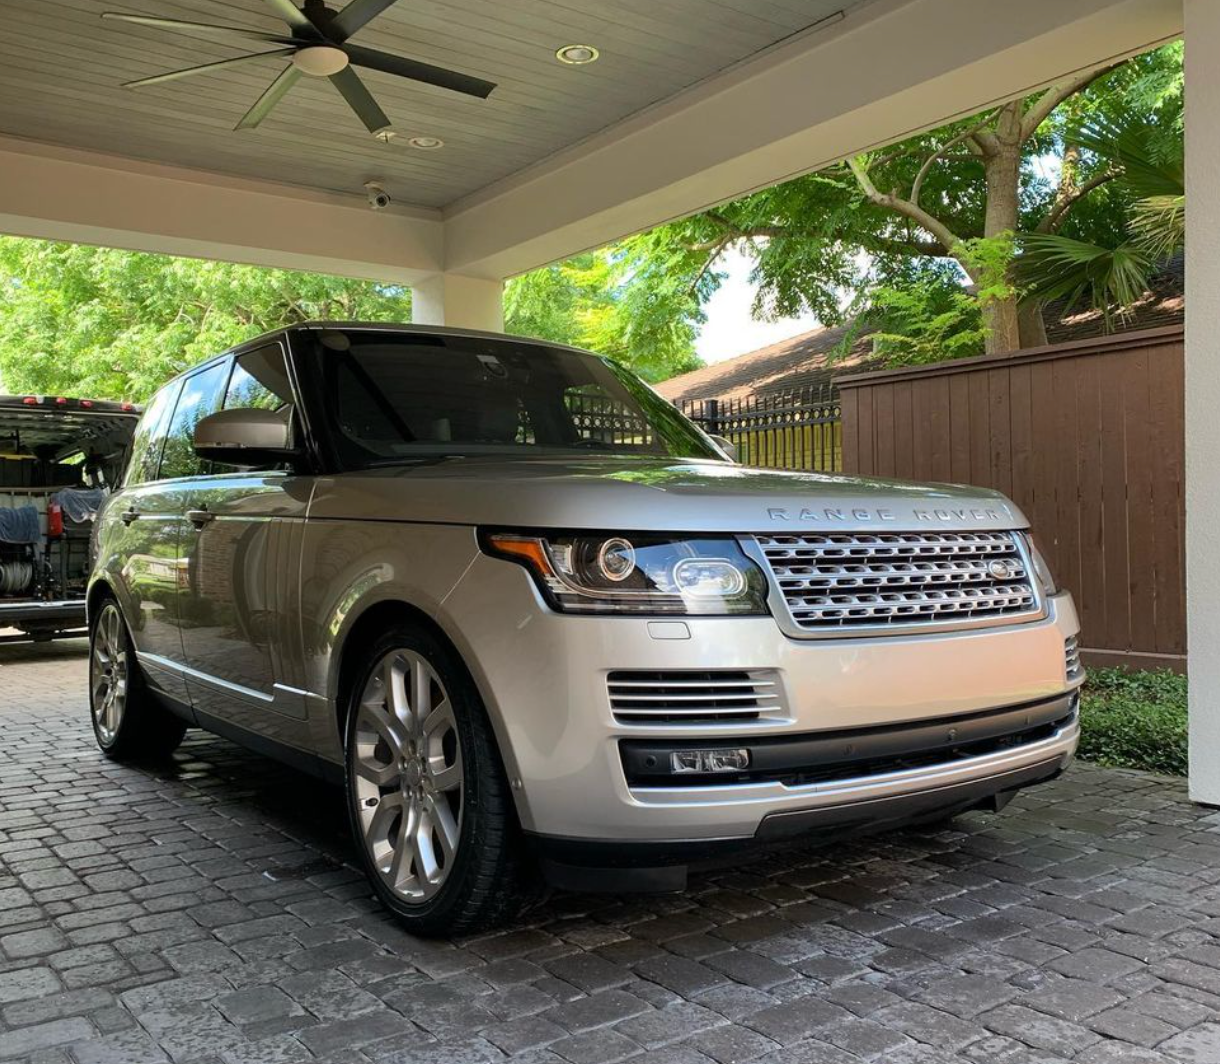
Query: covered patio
x,y
215,914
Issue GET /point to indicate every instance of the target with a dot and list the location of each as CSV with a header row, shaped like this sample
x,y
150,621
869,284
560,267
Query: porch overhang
x,y
861,74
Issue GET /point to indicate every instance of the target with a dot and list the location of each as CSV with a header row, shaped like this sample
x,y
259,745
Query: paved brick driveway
x,y
208,913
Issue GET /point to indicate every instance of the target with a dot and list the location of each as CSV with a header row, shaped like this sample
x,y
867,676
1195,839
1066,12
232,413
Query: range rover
x,y
535,620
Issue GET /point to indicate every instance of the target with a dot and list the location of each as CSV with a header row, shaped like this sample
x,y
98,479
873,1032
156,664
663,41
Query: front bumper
x,y
544,676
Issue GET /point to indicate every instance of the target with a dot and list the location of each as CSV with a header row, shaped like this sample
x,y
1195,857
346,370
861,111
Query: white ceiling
x,y
61,67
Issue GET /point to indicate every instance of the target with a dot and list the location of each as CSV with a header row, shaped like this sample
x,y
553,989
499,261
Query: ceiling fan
x,y
317,45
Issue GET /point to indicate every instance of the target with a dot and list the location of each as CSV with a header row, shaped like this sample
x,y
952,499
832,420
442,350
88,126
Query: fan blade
x,y
357,15
294,16
173,75
360,100
201,29
275,92
417,71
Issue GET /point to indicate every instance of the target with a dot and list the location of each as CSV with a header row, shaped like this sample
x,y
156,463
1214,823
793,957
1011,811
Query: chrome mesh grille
x,y
690,697
840,581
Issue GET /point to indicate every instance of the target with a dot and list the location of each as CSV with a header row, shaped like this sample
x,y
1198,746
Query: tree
x,y
639,300
116,324
849,240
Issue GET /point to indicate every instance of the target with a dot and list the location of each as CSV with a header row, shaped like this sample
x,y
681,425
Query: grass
x,y
1135,720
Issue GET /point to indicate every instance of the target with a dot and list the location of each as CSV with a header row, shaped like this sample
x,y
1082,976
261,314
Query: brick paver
x,y
209,912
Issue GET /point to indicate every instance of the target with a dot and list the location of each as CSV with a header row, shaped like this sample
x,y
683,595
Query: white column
x,y
458,301
1202,19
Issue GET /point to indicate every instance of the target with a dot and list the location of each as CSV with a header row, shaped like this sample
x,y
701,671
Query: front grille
x,y
843,581
690,697
1075,670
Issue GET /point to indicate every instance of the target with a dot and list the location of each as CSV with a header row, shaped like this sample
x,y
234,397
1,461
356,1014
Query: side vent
x,y
689,697
1075,670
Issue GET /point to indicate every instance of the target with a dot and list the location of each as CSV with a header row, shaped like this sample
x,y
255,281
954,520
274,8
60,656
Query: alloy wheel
x,y
407,778
108,674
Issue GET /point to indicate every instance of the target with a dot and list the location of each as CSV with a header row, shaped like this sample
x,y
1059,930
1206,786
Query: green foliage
x,y
1114,270
113,324
639,301
1058,267
1135,720
928,317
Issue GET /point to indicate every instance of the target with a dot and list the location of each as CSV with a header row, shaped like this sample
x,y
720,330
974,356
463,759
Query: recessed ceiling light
x,y
426,143
577,54
320,60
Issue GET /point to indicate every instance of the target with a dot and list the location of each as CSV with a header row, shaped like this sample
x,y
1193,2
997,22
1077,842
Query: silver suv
x,y
532,617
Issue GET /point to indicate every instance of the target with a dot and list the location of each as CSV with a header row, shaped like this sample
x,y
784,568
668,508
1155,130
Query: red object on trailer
x,y
55,520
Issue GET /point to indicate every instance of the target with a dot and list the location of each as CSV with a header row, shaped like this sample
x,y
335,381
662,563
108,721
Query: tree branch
x,y
1054,217
1041,109
711,260
943,234
940,154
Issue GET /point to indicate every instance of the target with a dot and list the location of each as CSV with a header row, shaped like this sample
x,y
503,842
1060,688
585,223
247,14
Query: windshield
x,y
389,397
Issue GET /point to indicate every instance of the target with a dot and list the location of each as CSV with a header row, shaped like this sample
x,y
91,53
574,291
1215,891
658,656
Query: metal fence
x,y
791,430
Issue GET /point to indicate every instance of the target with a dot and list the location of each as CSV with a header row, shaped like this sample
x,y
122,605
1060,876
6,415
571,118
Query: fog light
x,y
709,761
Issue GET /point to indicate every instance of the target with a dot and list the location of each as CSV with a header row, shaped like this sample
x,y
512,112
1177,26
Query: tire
x,y
128,723
429,804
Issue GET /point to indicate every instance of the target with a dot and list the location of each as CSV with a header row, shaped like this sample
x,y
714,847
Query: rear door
x,y
242,545
138,549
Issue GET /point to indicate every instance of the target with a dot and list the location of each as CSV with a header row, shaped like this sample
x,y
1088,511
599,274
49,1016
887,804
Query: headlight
x,y
637,573
1041,570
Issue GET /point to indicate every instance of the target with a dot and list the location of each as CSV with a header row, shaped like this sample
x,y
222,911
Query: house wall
x,y
1087,438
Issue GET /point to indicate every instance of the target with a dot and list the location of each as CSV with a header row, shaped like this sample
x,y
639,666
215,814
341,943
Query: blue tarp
x,y
20,525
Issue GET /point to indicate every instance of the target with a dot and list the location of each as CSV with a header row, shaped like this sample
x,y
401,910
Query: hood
x,y
642,494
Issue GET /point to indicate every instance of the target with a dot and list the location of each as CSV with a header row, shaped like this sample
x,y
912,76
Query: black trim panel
x,y
605,865
820,756
301,760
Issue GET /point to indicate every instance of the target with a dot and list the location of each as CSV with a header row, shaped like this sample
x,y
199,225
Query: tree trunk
x,y
1003,169
1032,325
1003,330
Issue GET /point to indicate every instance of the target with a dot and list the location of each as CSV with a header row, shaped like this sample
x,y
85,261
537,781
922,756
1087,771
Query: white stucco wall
x,y
1202,19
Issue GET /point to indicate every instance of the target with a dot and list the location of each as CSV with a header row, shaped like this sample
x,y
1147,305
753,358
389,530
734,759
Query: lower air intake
x,y
688,697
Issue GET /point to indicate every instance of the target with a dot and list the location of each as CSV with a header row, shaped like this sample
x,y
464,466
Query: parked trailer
x,y
58,459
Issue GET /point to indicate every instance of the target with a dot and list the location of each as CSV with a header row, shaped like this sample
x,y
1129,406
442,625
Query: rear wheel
x,y
429,803
127,722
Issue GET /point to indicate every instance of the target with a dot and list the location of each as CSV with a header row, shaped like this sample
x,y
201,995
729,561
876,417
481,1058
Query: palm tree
x,y
1148,168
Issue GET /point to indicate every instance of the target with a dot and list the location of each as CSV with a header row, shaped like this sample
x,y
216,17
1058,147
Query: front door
x,y
241,542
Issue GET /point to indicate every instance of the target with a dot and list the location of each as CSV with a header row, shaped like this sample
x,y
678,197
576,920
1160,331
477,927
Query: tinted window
x,y
200,397
390,396
149,436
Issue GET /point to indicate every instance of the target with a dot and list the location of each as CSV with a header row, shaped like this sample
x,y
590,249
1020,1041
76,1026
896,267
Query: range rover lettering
x,y
535,620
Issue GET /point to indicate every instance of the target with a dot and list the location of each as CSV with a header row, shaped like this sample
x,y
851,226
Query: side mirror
x,y
246,437
726,445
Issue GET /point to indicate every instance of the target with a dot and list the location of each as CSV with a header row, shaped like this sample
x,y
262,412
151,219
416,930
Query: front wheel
x,y
127,721
427,795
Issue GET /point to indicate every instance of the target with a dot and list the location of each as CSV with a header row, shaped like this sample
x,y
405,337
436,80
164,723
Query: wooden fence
x,y
1087,438
793,430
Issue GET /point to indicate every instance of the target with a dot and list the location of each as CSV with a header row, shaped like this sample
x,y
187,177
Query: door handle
x,y
199,518
129,515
